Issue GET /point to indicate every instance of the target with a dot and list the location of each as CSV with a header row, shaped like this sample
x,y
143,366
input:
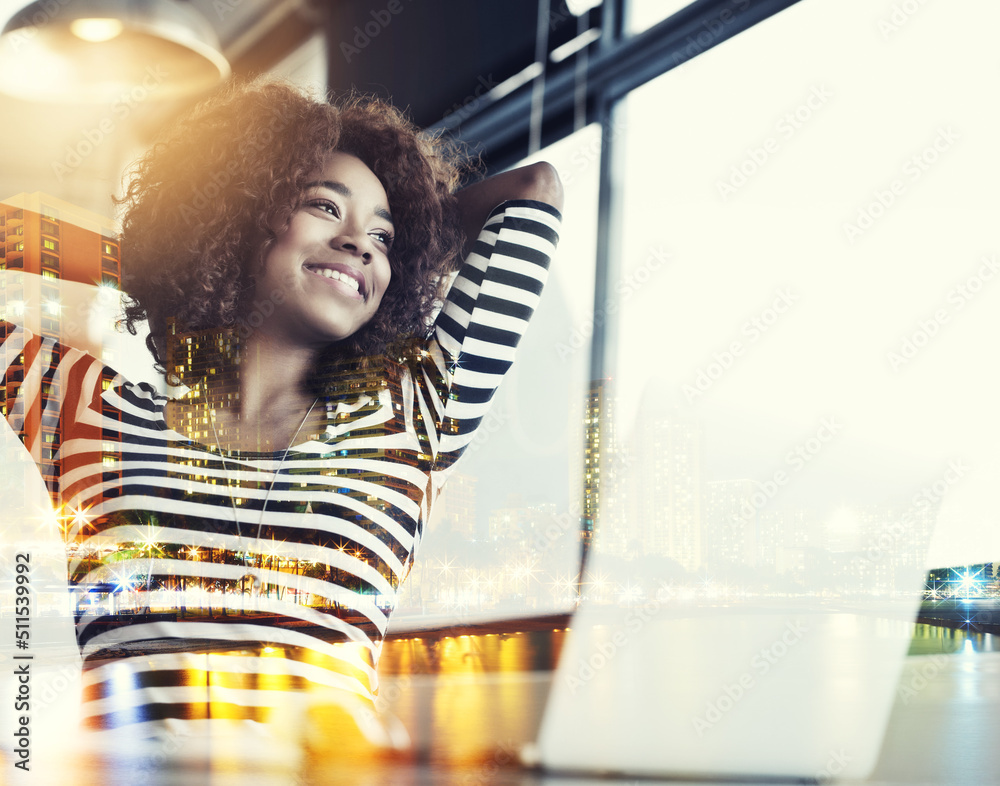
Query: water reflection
x,y
484,694
518,650
930,639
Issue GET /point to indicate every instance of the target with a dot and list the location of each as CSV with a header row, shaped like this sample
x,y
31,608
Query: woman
x,y
289,257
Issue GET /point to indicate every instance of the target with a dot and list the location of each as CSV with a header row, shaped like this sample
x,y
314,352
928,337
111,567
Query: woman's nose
x,y
356,243
351,246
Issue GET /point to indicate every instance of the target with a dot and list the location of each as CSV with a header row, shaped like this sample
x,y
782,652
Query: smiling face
x,y
330,267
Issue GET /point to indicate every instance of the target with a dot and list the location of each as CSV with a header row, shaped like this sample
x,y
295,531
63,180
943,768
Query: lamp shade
x,y
108,51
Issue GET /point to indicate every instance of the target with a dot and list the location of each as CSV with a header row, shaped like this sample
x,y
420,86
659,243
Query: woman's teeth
x,y
336,274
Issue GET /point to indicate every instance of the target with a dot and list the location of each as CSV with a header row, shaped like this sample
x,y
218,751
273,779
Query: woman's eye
x,y
385,238
327,207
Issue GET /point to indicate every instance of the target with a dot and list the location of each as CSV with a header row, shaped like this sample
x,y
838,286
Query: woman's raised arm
x,y
535,181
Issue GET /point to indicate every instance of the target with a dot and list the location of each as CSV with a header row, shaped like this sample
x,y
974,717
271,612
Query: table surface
x,y
944,729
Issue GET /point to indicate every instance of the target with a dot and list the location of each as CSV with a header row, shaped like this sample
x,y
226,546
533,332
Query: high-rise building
x,y
730,517
45,241
618,533
56,240
512,523
455,508
665,486
788,539
606,464
597,438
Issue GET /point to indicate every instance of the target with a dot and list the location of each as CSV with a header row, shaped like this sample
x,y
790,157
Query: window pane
x,y
643,14
810,376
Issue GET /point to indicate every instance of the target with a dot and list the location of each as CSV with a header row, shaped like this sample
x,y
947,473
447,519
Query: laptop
x,y
756,686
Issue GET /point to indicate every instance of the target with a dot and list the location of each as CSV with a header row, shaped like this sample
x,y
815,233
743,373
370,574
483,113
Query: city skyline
x,y
654,496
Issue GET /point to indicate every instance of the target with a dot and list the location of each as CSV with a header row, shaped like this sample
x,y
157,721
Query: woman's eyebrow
x,y
339,188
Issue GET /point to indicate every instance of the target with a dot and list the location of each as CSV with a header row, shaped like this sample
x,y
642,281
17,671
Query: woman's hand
x,y
535,181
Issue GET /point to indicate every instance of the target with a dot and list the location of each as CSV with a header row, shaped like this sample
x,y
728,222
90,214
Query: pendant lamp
x,y
108,51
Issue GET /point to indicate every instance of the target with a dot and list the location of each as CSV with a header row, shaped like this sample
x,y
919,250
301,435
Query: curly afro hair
x,y
206,202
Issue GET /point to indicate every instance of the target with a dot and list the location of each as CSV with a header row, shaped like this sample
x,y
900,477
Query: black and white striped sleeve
x,y
482,321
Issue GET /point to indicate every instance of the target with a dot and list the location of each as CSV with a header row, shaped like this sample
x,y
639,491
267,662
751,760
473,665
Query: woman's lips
x,y
350,281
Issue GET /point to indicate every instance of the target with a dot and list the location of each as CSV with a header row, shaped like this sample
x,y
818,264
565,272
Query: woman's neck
x,y
261,403
273,379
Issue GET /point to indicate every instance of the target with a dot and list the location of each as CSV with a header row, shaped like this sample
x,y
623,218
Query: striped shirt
x,y
191,603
